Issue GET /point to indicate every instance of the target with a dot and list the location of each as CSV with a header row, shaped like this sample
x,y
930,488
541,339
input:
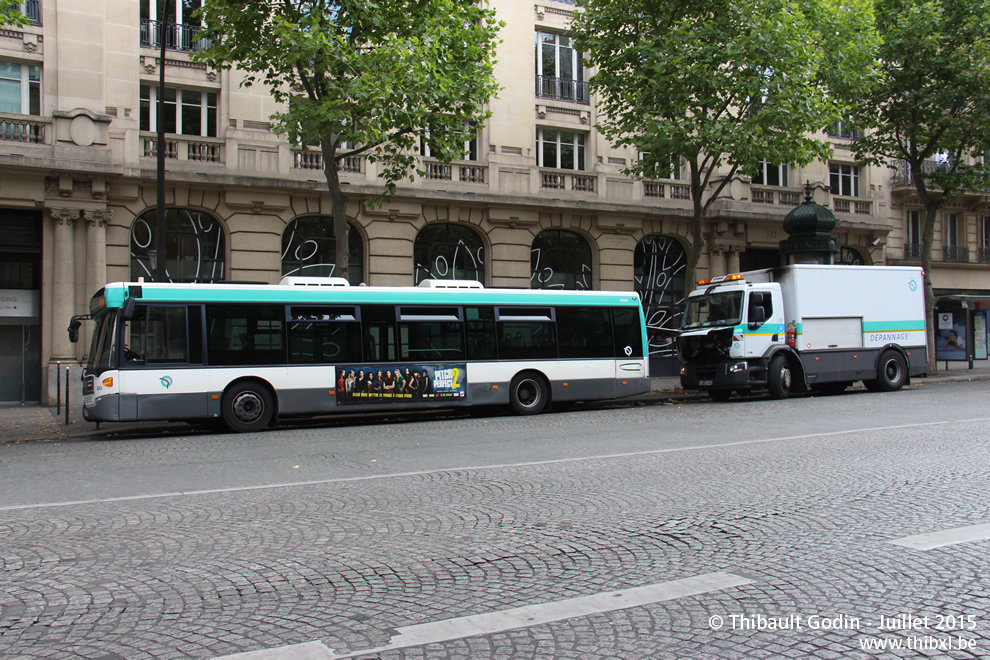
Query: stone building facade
x,y
540,199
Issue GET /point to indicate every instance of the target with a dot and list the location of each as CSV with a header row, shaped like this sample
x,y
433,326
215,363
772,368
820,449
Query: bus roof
x,y
116,293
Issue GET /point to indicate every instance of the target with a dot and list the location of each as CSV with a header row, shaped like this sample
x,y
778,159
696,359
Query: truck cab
x,y
730,331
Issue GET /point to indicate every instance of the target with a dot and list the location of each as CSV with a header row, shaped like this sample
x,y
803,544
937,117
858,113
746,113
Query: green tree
x,y
10,13
370,77
717,86
928,111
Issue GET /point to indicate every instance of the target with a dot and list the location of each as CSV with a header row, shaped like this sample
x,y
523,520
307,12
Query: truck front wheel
x,y
779,377
891,373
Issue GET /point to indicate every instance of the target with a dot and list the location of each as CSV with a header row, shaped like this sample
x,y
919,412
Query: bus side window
x,y
378,322
480,326
627,329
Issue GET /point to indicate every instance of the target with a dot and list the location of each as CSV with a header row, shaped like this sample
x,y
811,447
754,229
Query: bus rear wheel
x,y
247,407
528,393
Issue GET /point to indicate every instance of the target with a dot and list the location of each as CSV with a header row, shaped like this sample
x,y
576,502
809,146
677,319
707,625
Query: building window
x,y
187,111
844,180
912,237
984,239
771,175
560,259
559,70
659,263
183,25
195,247
850,257
951,229
843,129
20,88
470,133
309,249
445,251
562,150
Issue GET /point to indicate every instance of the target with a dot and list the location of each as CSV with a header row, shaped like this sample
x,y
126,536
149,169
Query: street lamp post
x,y
161,273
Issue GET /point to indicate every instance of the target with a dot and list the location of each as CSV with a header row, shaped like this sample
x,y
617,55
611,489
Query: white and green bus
x,y
248,354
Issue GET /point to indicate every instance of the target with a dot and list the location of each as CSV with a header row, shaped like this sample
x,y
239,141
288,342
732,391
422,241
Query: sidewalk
x,y
36,423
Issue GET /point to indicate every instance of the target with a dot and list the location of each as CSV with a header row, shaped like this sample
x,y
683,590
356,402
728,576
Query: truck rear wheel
x,y
779,377
891,372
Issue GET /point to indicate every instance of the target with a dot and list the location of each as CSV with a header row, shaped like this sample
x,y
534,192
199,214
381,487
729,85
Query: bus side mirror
x,y
73,328
128,310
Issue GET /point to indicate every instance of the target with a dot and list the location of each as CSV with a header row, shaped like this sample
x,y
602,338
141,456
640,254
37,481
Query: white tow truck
x,y
801,327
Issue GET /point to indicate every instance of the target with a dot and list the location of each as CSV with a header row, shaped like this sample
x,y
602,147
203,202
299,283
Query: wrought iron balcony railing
x,y
912,250
178,36
955,254
562,89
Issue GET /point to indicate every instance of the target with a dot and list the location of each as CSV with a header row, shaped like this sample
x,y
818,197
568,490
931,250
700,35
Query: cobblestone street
x,y
399,532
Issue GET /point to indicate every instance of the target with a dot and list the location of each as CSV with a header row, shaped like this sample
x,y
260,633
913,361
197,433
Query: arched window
x,y
560,259
195,247
309,249
850,257
659,263
445,251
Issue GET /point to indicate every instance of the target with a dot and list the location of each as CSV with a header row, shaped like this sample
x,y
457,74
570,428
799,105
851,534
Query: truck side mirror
x,y
757,316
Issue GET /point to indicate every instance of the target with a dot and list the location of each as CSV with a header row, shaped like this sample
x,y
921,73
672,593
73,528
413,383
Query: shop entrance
x,y
20,305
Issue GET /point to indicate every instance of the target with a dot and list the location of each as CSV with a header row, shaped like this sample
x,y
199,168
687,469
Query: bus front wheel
x,y
247,407
528,393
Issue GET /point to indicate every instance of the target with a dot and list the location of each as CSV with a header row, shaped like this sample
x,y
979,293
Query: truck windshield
x,y
103,352
716,309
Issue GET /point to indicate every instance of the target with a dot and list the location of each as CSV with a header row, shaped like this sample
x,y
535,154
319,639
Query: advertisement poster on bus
x,y
401,383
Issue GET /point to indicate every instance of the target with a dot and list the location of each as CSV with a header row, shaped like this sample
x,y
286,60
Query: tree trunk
x,y
338,208
697,246
927,240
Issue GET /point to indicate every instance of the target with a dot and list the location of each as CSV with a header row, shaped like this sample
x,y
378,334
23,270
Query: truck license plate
x,y
704,383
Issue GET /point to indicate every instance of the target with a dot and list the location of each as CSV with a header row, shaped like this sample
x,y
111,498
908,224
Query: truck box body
x,y
818,325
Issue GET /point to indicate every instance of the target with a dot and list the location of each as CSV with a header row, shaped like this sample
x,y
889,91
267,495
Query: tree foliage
x,y
929,106
362,77
10,13
721,85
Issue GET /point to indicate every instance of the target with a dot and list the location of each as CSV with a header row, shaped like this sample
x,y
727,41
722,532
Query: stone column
x,y
63,284
716,263
96,257
732,259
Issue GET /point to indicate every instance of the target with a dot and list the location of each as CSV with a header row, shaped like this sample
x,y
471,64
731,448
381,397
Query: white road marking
x,y
513,619
945,537
497,466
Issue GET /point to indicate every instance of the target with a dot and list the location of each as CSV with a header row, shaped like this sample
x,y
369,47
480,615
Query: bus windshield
x,y
103,353
717,309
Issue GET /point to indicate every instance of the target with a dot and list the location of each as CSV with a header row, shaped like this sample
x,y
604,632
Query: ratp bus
x,y
248,354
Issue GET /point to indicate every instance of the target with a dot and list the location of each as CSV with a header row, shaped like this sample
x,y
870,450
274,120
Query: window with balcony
x,y
187,111
983,239
771,175
562,150
844,179
952,250
559,70
912,235
20,88
183,24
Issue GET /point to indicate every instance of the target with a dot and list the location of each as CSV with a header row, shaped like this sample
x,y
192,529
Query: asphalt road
x,y
754,528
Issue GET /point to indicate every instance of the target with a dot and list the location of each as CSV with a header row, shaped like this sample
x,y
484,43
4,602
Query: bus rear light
x,y
108,382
